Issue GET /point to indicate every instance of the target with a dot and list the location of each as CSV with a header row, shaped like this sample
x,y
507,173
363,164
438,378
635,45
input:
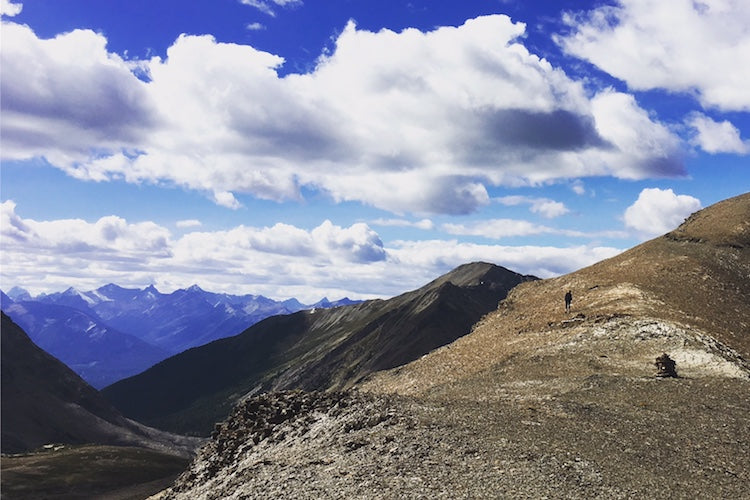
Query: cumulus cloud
x,y
111,236
700,47
409,122
578,187
642,148
278,261
67,96
544,262
542,206
717,137
658,211
10,9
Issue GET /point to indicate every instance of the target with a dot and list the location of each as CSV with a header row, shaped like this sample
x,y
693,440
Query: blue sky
x,y
354,148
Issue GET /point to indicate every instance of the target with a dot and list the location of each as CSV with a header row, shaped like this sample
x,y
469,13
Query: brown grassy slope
x,y
696,277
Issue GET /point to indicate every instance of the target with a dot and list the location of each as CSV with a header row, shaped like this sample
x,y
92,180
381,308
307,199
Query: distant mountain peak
x,y
17,293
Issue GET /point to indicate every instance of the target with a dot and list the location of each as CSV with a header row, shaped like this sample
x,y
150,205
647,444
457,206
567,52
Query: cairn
x,y
665,366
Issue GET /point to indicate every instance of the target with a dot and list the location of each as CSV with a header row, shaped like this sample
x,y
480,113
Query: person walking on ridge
x,y
568,300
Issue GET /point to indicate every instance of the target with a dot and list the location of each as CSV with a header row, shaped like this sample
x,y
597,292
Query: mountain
x,y
43,401
112,332
18,293
324,303
316,349
686,293
98,353
535,402
176,321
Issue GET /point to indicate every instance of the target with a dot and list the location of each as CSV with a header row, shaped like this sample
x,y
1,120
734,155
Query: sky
x,y
311,148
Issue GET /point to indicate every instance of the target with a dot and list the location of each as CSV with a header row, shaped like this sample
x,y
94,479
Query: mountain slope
x,y
534,402
98,353
692,285
321,349
43,401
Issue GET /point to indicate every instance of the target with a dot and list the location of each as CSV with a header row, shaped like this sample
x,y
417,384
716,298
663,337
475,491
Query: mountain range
x,y
316,349
111,333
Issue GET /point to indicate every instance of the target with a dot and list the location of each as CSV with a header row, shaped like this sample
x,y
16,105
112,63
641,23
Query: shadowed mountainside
x,y
321,349
43,401
534,402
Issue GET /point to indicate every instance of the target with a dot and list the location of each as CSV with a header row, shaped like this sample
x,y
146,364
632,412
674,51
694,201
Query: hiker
x,y
666,366
568,300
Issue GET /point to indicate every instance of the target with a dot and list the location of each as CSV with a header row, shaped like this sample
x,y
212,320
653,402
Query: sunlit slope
x,y
687,293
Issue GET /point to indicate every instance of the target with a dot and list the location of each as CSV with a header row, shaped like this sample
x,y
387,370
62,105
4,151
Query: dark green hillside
x,y
322,349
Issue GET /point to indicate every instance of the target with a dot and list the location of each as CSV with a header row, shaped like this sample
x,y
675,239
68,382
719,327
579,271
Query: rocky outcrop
x,y
288,429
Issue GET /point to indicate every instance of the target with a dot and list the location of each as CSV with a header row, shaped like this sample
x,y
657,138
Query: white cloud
x,y
226,199
187,223
507,228
641,147
700,47
267,6
109,237
65,97
497,228
278,261
357,243
717,137
255,27
658,211
409,122
10,9
542,206
544,262
425,224
549,209
13,227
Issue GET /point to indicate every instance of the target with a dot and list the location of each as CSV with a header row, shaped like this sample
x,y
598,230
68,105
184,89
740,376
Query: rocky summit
x,y
536,402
